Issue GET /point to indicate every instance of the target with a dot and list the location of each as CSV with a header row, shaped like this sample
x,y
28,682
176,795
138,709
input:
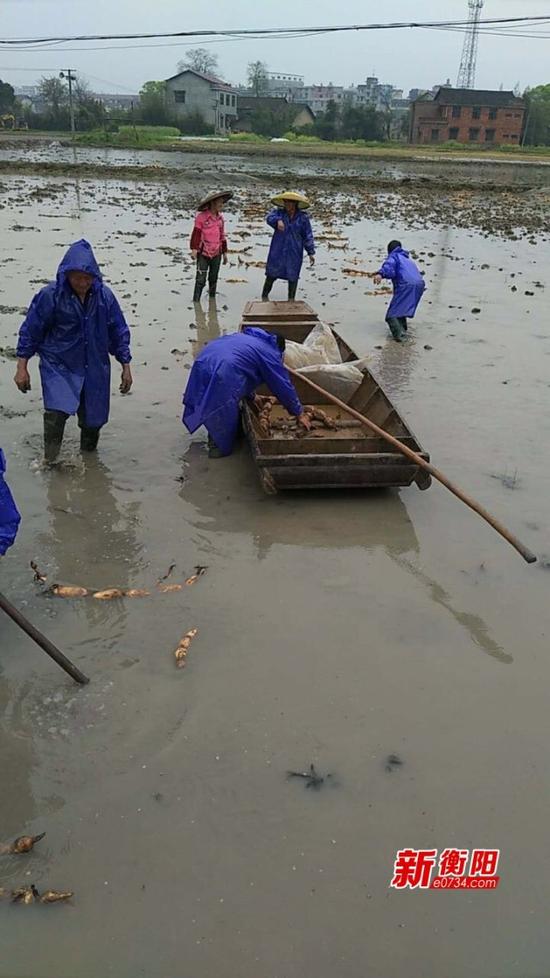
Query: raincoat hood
x,y
79,258
400,251
262,334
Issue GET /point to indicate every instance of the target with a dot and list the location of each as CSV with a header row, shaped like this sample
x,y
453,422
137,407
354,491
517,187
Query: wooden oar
x,y
43,642
414,457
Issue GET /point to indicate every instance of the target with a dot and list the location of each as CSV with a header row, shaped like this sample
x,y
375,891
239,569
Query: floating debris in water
x,y
56,896
200,569
25,894
38,575
23,843
108,594
312,778
68,591
393,761
168,572
183,647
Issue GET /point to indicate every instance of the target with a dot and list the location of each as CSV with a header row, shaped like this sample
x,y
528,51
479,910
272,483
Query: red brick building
x,y
467,115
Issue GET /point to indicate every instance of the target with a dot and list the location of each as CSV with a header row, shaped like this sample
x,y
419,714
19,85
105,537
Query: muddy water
x,y
333,628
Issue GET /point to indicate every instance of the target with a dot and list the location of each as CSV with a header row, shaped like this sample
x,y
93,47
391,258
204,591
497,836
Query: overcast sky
x,y
406,59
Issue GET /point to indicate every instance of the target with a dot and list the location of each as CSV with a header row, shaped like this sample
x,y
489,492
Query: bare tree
x,y
257,77
199,59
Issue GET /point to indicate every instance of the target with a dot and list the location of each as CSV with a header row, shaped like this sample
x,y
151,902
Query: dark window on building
x,y
489,135
473,135
435,135
221,98
179,95
222,121
453,132
456,111
233,100
517,115
493,113
515,135
509,115
476,112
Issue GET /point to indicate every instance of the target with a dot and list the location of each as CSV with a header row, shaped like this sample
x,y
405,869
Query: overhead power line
x,y
19,42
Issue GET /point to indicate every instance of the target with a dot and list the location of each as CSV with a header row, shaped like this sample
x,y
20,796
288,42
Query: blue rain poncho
x,y
74,339
9,514
225,371
408,284
287,247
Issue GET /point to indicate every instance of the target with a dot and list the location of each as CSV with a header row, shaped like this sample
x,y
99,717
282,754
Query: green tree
x,y
55,94
153,110
257,77
199,59
89,111
327,123
7,98
537,116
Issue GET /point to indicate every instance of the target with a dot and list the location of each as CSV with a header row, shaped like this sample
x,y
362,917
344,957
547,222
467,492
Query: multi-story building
x,y
467,115
282,85
192,91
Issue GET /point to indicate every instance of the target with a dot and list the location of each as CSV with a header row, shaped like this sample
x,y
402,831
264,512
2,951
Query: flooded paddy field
x,y
335,628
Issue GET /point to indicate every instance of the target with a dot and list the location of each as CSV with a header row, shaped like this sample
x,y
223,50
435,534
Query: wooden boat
x,y
349,457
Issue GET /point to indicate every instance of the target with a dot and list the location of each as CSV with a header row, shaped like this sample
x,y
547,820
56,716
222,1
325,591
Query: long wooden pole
x,y
42,641
414,457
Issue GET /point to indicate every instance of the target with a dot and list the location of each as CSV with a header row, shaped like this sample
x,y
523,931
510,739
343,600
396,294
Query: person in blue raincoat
x,y
9,514
229,369
74,324
408,288
292,236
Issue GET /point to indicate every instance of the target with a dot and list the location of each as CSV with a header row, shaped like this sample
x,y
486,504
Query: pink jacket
x,y
208,237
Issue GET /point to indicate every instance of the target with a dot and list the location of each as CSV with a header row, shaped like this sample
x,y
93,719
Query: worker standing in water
x,y
74,324
292,236
208,242
229,369
408,288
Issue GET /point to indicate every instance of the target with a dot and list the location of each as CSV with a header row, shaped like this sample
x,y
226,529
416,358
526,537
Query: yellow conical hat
x,y
299,199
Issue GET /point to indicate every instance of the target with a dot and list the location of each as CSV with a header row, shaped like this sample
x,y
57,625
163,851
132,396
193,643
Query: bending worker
x,y
292,235
225,371
9,514
74,324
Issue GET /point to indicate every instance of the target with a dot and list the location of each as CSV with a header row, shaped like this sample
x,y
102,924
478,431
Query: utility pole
x,y
70,75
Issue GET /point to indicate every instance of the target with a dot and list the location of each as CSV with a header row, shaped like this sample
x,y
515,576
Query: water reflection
x,y
91,539
17,806
473,624
208,325
227,495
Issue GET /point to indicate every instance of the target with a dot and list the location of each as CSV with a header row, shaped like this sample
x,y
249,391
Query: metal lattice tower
x,y
467,71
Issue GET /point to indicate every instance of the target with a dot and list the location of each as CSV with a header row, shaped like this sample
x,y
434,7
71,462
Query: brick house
x,y
192,91
467,115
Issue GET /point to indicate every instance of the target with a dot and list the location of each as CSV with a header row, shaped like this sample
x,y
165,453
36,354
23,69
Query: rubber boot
x,y
89,438
396,328
197,293
54,427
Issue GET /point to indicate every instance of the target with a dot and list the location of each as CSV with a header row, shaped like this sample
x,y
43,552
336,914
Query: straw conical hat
x,y
299,199
224,194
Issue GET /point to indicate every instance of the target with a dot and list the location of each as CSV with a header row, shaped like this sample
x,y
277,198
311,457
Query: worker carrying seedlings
x,y
408,288
74,324
292,236
225,371
9,514
208,241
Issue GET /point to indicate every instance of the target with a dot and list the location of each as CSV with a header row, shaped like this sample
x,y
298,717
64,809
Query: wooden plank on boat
x,y
259,312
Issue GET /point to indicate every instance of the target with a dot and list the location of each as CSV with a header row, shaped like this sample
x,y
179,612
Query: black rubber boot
x,y
396,328
54,427
89,438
